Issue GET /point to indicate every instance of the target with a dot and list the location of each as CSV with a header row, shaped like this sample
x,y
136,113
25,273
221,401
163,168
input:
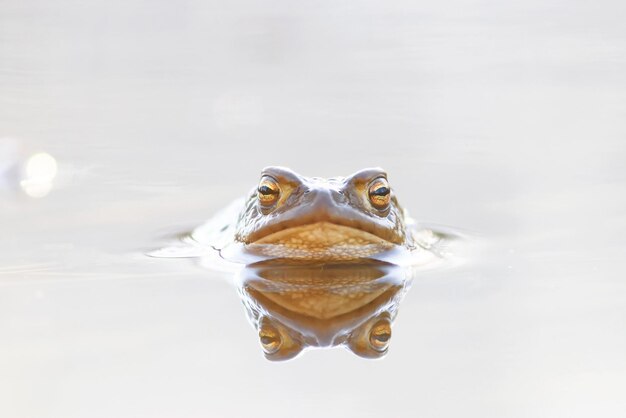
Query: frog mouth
x,y
322,234
320,241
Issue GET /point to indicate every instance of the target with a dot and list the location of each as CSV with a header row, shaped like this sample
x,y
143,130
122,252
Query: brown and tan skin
x,y
322,305
298,217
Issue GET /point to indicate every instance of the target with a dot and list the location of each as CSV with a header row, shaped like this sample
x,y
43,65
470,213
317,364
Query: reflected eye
x,y
380,334
270,339
379,193
268,191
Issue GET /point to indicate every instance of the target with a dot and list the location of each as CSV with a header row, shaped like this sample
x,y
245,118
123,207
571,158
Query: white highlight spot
x,y
40,171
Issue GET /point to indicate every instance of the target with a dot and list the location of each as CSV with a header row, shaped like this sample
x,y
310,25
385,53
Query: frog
x,y
288,216
291,216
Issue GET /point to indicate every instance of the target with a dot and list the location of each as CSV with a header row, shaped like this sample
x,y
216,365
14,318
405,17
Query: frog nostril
x,y
339,197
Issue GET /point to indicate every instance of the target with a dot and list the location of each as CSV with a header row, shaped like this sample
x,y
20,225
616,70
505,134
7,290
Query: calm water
x,y
506,122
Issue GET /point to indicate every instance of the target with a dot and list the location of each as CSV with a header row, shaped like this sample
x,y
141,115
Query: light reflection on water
x,y
40,171
306,305
34,174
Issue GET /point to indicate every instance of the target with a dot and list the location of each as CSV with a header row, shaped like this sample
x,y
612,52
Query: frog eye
x,y
271,340
380,334
268,191
379,193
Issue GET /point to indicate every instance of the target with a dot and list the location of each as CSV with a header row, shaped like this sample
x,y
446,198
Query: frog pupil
x,y
383,338
266,340
381,191
266,190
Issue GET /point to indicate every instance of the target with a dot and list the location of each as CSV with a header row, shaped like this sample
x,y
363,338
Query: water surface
x,y
504,121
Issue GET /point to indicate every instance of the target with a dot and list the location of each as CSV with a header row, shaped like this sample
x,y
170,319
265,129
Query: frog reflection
x,y
294,306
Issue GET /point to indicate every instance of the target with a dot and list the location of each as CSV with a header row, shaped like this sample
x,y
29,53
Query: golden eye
x,y
379,193
380,334
268,191
270,339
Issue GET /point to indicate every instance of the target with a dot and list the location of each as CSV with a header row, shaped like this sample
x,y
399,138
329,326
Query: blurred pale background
x,y
507,121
